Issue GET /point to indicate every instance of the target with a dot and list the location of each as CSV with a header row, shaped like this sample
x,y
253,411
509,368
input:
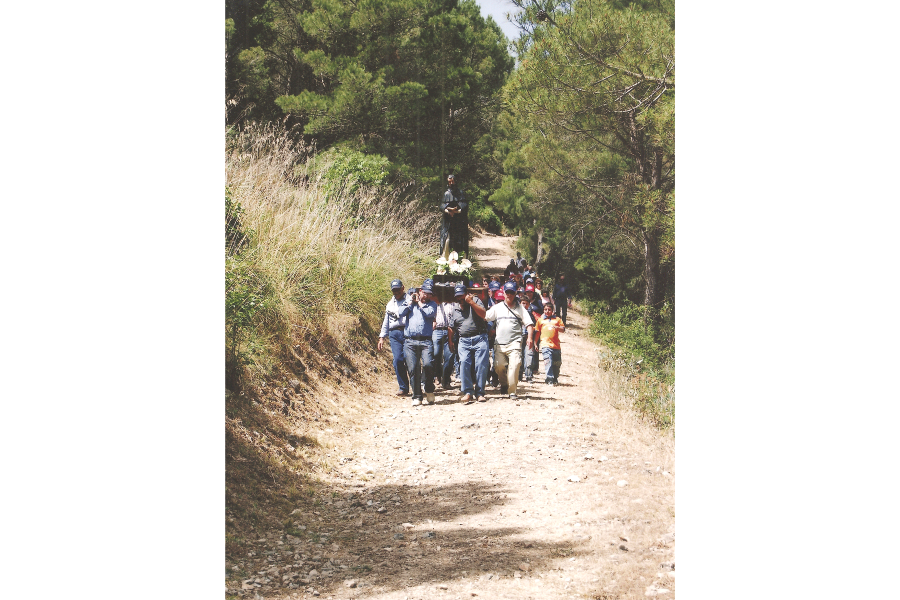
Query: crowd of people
x,y
491,335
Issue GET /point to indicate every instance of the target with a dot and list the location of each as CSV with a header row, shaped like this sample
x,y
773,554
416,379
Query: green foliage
x,y
592,123
513,200
290,528
606,272
229,32
236,238
260,63
247,297
632,329
483,215
348,169
406,79
641,355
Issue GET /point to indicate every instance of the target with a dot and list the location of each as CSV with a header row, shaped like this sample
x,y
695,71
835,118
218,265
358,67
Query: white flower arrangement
x,y
454,266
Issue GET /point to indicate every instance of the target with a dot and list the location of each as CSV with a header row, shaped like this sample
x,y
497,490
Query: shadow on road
x,y
384,555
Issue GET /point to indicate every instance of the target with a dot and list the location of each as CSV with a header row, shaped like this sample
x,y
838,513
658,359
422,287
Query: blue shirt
x,y
560,292
419,320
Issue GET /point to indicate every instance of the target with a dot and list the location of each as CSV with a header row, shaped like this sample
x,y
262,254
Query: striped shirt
x,y
444,313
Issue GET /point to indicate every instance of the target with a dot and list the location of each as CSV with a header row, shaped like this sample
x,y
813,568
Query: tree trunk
x,y
540,248
654,290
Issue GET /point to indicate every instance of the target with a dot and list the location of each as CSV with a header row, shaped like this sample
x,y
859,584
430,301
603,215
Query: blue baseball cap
x,y
494,286
459,290
396,284
427,286
428,281
510,286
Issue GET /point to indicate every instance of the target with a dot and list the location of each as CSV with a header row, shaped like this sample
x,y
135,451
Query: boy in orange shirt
x,y
550,327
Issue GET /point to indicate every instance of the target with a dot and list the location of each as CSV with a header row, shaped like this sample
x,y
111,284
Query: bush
x,y
642,353
345,171
630,328
484,216
236,239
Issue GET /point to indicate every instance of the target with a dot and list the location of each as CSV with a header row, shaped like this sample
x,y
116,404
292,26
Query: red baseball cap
x,y
529,288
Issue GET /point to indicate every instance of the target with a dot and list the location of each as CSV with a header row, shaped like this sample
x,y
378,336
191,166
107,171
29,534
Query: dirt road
x,y
554,495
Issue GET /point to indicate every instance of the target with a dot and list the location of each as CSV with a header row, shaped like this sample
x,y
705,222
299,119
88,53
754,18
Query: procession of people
x,y
491,335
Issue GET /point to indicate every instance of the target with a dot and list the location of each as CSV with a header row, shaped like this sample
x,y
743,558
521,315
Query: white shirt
x,y
509,328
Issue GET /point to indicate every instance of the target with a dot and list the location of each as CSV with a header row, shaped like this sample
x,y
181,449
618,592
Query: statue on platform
x,y
454,220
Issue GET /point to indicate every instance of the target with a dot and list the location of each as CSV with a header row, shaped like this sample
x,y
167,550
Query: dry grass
x,y
310,256
650,399
308,247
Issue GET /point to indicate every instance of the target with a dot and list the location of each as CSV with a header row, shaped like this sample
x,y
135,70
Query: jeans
x,y
419,364
552,361
456,355
396,339
524,358
531,360
443,357
473,352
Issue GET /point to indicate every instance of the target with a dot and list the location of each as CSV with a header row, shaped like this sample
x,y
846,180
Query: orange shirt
x,y
549,335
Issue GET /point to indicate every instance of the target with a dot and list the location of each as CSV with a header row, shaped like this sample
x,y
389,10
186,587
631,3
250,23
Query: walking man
x,y
392,328
535,306
418,346
468,319
561,297
513,321
521,263
443,355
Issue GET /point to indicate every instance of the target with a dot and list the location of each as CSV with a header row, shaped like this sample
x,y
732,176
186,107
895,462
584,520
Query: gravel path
x,y
554,495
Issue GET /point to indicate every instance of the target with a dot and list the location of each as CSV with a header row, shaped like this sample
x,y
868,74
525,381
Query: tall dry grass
x,y
309,256
623,382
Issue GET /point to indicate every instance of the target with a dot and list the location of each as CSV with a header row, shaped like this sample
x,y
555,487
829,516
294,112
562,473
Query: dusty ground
x,y
556,495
